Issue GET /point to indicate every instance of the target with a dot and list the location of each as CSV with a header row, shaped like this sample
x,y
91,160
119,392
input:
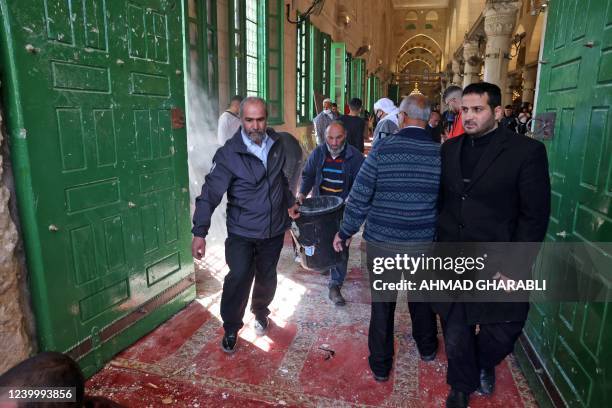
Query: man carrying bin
x,y
331,169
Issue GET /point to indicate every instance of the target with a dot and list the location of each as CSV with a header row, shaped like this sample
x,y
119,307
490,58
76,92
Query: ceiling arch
x,y
428,63
416,47
421,36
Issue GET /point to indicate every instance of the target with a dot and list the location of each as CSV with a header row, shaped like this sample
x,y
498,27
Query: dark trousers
x,y
249,259
468,352
380,335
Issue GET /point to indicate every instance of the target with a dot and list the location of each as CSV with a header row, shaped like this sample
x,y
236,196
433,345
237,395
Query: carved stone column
x,y
456,72
499,19
529,83
471,69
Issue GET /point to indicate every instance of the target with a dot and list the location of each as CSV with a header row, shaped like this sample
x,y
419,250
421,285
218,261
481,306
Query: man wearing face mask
x,y
322,121
249,167
386,112
331,169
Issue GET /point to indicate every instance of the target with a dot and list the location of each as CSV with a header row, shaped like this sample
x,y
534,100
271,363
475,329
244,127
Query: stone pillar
x,y
471,69
456,72
529,82
499,19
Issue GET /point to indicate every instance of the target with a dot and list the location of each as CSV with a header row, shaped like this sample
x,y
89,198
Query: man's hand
x,y
198,247
293,211
300,198
338,243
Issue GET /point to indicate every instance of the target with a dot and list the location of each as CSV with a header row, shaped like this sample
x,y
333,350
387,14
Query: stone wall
x,y
16,321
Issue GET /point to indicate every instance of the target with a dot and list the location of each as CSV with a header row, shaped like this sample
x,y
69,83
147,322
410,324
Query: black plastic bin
x,y
314,231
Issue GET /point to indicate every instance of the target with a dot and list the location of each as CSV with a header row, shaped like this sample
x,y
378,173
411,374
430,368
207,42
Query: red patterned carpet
x,y
181,363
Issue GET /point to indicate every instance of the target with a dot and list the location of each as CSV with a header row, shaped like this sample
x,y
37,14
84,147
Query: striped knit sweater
x,y
396,190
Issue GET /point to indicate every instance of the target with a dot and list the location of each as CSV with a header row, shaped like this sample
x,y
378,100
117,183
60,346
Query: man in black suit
x,y
495,187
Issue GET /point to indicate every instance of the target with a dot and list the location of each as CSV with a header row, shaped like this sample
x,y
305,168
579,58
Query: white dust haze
x,y
201,147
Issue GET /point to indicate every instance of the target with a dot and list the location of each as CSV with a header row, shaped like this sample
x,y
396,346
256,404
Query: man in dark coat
x,y
249,167
495,187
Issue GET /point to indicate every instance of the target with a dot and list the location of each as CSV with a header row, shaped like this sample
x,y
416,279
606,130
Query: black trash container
x,y
314,231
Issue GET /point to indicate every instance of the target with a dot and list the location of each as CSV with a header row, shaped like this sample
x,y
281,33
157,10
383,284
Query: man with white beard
x,y
331,169
249,167
322,121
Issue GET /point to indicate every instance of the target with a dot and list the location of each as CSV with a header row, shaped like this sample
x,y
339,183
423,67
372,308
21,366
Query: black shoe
x,y
336,297
429,357
457,399
228,344
381,378
261,326
487,381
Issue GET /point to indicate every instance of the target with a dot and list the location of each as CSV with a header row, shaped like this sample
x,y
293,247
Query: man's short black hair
x,y
355,104
508,107
236,98
481,88
334,104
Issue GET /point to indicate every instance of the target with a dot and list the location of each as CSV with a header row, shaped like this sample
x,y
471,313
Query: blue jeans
x,y
337,273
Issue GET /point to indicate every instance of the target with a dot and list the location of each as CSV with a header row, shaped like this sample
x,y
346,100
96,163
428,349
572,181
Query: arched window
x,y
412,16
431,20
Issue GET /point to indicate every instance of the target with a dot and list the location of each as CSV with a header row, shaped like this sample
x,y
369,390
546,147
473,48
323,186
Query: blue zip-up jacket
x,y
257,198
312,175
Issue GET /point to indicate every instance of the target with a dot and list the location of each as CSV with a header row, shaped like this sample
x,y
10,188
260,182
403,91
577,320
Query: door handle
x,y
131,204
562,234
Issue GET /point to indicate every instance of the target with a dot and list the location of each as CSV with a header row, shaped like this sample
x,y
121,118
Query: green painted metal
x,y
338,72
393,93
358,78
573,339
101,174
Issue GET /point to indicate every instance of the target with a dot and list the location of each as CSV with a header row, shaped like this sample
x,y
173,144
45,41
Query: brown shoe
x,y
336,297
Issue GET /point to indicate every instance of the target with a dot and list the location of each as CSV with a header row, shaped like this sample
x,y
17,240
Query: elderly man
x,y
396,194
452,97
386,112
322,121
249,167
331,169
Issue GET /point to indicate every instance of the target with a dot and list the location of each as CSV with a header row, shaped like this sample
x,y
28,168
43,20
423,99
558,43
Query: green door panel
x,y
572,339
101,172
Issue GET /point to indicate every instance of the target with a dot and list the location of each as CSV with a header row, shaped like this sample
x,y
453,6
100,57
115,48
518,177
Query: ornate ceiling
x,y
422,4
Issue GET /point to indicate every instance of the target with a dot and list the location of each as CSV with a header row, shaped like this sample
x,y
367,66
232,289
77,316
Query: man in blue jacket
x,y
249,167
331,169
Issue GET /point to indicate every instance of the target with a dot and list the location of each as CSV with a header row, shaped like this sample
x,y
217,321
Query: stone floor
x,y
181,362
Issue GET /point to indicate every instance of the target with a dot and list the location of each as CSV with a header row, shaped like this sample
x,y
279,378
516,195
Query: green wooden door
x,y
573,339
101,172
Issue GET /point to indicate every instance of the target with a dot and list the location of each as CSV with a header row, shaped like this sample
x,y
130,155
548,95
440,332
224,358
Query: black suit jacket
x,y
507,200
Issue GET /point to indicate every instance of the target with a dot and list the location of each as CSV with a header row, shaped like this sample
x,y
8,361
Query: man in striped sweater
x,y
396,194
331,169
